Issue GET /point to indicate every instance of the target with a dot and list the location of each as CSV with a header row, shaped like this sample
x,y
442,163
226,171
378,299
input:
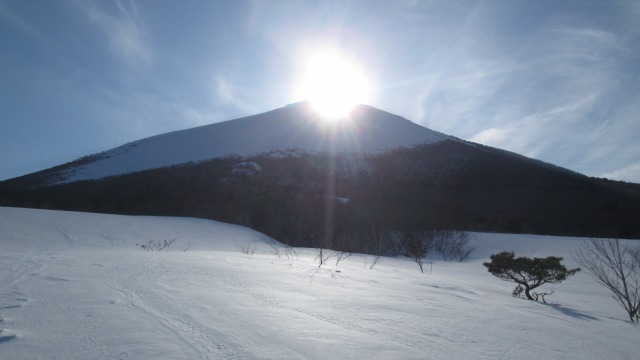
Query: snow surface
x,y
76,286
295,126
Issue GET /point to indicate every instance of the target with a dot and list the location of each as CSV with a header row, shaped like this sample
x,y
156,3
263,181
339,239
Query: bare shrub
x,y
322,256
418,244
286,252
290,253
379,235
156,245
453,245
341,255
615,267
246,249
397,242
275,250
375,261
421,264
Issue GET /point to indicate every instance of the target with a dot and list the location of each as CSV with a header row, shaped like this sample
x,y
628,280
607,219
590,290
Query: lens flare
x,y
333,85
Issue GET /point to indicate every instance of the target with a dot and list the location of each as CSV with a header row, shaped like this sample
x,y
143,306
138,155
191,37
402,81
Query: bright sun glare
x,y
333,85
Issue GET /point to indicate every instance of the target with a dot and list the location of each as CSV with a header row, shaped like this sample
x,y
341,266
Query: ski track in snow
x,y
144,292
75,286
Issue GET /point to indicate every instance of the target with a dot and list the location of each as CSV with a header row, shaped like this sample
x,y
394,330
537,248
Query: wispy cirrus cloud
x,y
630,173
17,21
547,85
549,80
124,30
553,80
226,93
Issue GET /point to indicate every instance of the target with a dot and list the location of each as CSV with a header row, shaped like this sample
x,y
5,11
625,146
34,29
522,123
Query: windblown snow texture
x,y
79,286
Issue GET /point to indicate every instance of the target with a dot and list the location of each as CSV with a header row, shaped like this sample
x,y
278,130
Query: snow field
x,y
76,286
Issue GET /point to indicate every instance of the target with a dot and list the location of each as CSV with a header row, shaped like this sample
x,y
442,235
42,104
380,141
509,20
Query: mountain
x,y
364,185
295,126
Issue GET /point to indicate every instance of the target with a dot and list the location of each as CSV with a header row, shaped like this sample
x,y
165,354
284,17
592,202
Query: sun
x,y
333,85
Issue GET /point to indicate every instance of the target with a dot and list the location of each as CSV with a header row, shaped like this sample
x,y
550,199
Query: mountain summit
x,y
295,126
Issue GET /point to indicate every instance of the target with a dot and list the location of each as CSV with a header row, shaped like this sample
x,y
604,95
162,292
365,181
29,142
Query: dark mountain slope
x,y
310,198
355,185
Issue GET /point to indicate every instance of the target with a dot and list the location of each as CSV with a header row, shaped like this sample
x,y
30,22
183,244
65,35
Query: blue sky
x,y
554,80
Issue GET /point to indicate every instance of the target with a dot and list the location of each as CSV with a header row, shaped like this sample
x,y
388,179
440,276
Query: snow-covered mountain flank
x,y
296,126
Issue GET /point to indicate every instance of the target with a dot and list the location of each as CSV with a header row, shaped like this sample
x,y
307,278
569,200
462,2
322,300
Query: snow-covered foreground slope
x,y
76,286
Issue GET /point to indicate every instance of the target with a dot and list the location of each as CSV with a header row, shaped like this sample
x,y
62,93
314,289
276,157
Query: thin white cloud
x,y
628,173
550,87
18,21
134,115
491,136
224,90
547,79
124,31
226,93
